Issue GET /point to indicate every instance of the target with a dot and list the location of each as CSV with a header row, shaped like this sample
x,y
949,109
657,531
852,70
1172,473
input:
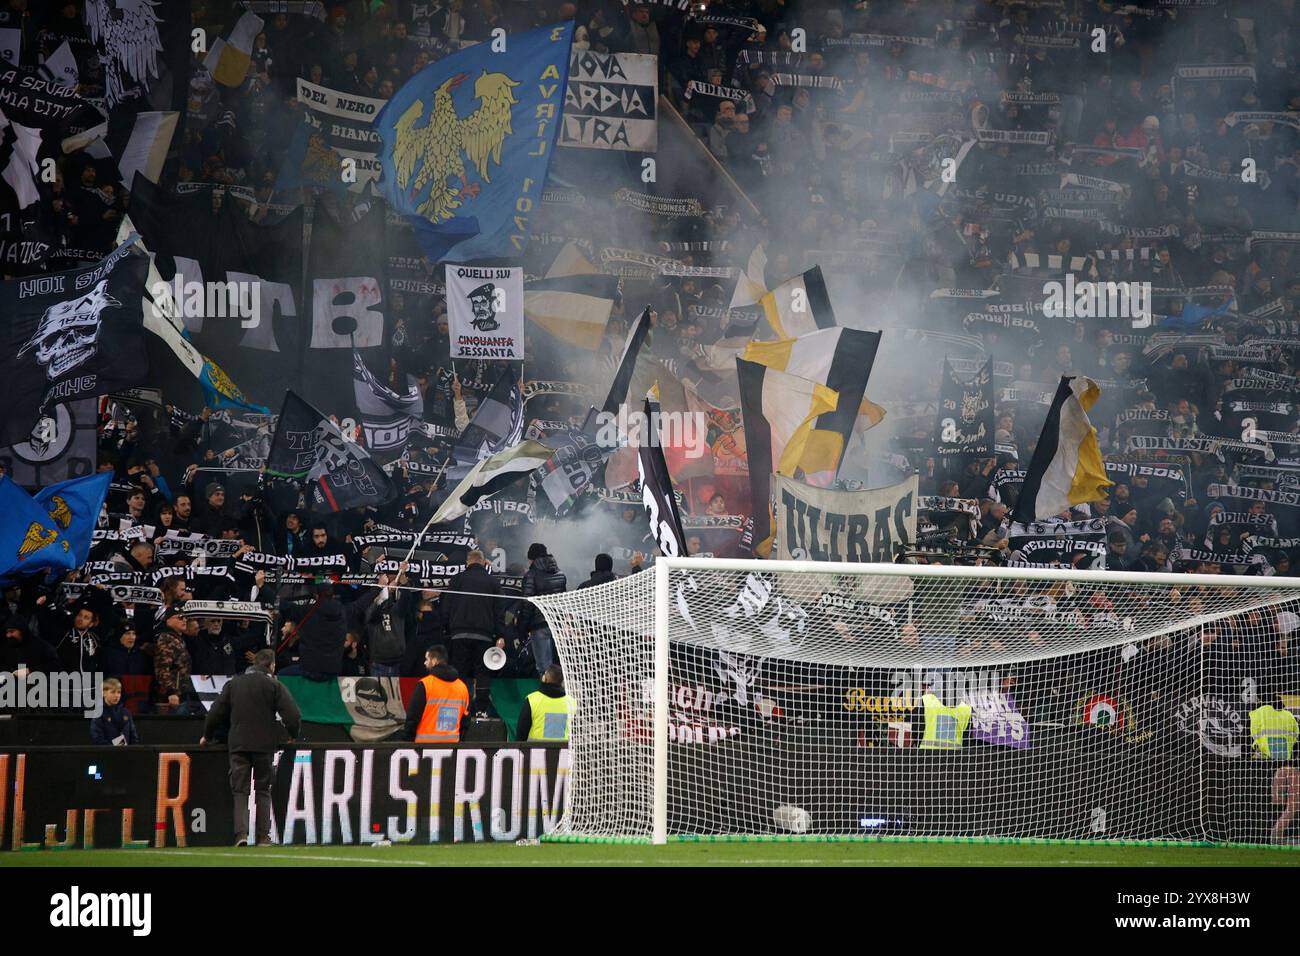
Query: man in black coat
x,y
245,712
384,614
322,631
542,577
22,652
603,573
473,623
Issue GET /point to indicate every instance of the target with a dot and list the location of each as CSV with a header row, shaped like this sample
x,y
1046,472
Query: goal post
x,y
744,699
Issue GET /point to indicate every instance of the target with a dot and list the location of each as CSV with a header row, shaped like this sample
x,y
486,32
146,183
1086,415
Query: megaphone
x,y
494,658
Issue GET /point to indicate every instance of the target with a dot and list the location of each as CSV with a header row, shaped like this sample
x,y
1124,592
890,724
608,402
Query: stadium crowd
x,y
823,131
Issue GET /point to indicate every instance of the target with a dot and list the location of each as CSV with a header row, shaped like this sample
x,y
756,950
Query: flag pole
x,y
428,524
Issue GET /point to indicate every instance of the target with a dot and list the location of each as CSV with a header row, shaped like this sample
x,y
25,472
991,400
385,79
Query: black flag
x,y
144,52
347,289
498,421
308,447
657,490
627,364
256,328
385,415
71,335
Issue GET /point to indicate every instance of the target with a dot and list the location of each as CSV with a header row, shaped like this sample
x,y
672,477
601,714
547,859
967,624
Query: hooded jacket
x,y
597,578
322,634
30,651
79,650
544,577
385,624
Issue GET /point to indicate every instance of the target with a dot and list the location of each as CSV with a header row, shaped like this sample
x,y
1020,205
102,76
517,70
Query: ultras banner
x,y
610,101
821,525
71,335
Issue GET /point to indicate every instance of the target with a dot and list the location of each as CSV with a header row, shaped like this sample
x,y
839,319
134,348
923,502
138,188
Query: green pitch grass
x,y
677,855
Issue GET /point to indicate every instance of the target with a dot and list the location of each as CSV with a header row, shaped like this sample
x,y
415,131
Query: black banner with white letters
x,y
339,474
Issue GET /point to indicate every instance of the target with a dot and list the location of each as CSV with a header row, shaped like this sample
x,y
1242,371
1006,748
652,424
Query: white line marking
x,y
263,854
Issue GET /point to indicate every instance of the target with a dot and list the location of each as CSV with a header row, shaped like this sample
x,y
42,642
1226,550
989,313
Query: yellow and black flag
x,y
779,412
839,358
799,305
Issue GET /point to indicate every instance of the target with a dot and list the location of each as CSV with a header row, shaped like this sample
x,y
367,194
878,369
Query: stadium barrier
x,y
55,798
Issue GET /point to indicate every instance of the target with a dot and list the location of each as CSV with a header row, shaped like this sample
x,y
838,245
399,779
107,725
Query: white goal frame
x,y
663,567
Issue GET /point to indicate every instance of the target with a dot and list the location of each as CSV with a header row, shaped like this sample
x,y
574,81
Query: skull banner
x,y
71,335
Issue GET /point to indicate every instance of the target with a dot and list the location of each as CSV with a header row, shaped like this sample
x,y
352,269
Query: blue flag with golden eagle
x,y
52,531
74,506
468,142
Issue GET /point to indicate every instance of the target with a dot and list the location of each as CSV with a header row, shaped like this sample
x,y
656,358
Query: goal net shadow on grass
x,y
820,701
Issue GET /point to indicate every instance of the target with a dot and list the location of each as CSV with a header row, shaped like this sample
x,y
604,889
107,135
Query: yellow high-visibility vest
x,y
551,716
1273,732
944,726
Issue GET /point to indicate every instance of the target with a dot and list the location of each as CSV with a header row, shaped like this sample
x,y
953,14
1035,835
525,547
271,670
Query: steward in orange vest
x,y
438,703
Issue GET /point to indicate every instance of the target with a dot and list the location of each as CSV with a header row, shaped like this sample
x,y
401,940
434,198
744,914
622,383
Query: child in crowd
x,y
114,724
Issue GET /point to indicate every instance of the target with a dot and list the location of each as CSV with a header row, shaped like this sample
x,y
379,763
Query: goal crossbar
x,y
1158,606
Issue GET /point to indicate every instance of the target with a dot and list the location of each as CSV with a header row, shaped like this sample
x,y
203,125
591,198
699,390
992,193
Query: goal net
x,y
724,699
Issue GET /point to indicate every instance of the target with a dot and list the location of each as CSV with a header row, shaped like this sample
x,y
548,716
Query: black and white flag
x,y
308,447
657,491
498,421
490,476
144,48
385,415
71,335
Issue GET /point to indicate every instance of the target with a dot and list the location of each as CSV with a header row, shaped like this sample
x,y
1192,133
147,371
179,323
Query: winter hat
x,y
604,562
